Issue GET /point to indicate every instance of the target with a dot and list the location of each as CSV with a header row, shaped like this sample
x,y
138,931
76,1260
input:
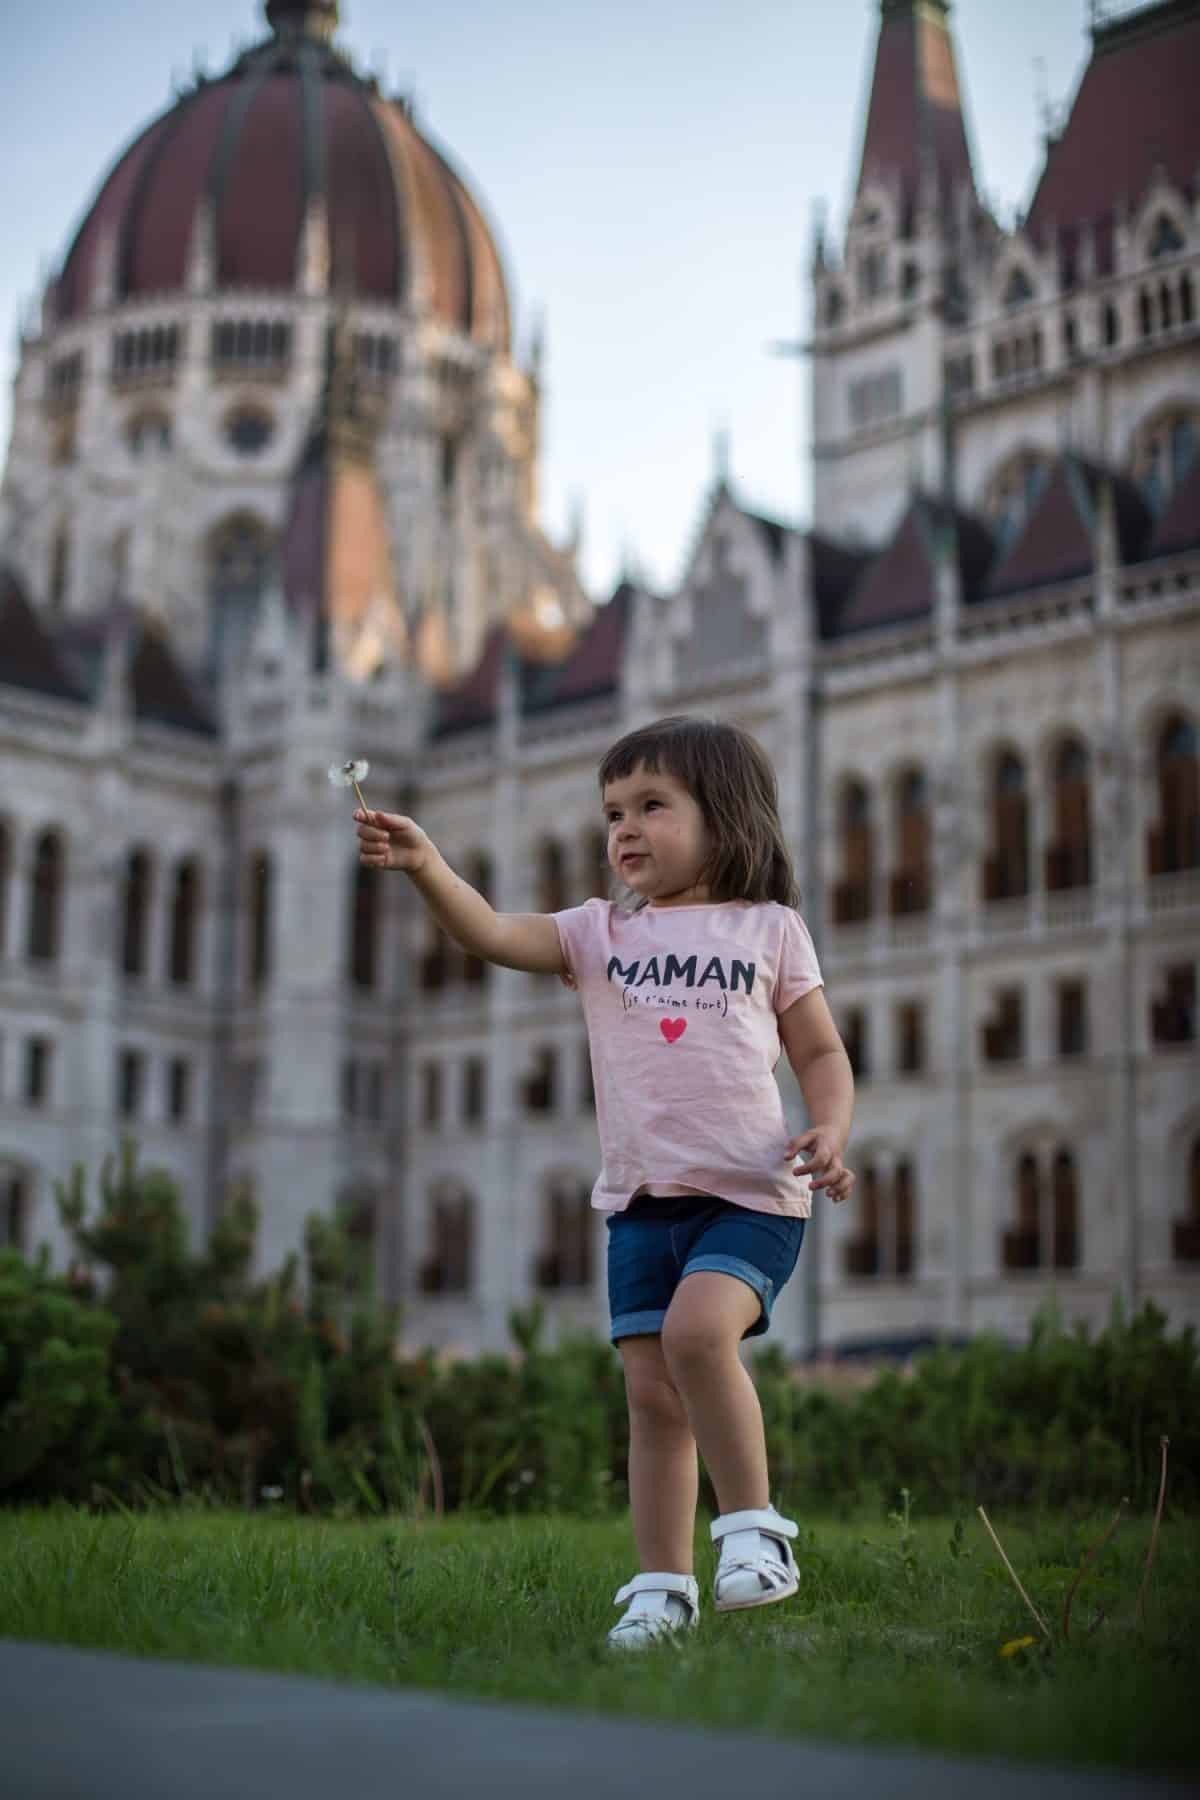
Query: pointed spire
x,y
915,129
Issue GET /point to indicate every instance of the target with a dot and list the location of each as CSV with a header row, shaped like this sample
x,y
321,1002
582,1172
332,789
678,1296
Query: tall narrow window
x,y
910,885
448,1268
1022,1245
474,1090
1003,1033
595,864
45,915
1174,843
910,1035
431,1094
1069,857
552,878
540,1087
364,927
14,1209
178,1089
260,898
905,1210
181,948
1065,1214
130,1067
239,568
136,913
852,894
1006,870
568,1261
39,1053
855,1041
862,1251
1185,1235
1072,1018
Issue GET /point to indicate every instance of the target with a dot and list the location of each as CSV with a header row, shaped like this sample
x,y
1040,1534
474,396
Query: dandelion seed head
x,y
347,773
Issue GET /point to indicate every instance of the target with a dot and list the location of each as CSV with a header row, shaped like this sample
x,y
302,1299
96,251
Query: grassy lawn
x,y
894,1636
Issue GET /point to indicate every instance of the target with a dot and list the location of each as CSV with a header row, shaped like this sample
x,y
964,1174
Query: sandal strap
x,y
764,1518
686,1586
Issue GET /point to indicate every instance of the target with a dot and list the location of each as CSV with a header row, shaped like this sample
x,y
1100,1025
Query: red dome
x,y
289,124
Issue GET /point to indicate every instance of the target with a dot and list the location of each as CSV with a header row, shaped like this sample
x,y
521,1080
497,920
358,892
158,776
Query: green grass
x,y
894,1636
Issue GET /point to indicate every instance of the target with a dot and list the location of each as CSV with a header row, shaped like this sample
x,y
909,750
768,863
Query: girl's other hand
x,y
824,1162
391,841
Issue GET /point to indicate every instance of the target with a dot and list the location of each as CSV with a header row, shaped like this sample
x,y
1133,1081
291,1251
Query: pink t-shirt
x,y
681,1004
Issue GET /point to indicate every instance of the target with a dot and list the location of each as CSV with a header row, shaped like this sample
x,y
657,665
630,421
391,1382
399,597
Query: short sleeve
x,y
798,970
577,932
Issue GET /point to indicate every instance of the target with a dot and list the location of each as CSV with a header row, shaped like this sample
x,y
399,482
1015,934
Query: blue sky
x,y
651,167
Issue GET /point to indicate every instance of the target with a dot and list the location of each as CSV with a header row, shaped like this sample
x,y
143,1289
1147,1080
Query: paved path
x,y
86,1725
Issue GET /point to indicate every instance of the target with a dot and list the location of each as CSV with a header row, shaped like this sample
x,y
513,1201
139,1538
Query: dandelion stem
x,y
1016,1578
1162,1489
1089,1558
358,796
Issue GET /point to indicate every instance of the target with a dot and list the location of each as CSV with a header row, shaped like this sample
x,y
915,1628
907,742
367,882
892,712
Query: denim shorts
x,y
659,1239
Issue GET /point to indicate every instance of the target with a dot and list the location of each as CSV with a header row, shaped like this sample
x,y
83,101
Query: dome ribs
x,y
289,126
361,197
258,196
158,220
106,211
309,65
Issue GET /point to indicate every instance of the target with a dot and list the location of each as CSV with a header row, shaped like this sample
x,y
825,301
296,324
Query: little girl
x,y
689,982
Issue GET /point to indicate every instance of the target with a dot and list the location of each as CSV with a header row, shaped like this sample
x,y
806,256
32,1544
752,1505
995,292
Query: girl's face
x,y
655,821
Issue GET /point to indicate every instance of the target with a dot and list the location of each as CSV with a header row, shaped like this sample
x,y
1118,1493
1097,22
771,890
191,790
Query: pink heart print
x,y
672,1028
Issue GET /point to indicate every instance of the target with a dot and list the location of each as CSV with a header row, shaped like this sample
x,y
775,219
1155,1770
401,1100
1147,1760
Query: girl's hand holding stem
x,y
392,841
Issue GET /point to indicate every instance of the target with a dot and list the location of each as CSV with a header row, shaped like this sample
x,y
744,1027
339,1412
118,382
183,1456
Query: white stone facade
x,y
1106,658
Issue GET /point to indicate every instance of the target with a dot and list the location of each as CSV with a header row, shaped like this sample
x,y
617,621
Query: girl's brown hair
x,y
730,777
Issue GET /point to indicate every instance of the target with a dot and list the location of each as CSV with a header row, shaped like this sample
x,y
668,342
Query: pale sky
x,y
651,169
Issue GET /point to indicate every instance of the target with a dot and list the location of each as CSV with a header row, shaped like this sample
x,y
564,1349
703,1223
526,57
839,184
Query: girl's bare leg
x,y
664,1472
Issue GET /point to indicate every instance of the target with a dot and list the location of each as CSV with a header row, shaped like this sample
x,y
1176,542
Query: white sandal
x,y
652,1615
757,1565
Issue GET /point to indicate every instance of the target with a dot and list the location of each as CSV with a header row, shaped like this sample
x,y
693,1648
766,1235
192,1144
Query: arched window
x,y
434,968
1006,869
911,886
239,570
1018,289
568,1261
862,1251
835,307
1166,306
1174,842
478,872
1069,857
14,1208
448,1268
135,913
181,945
364,927
260,900
852,895
45,914
551,878
1065,1204
905,1209
148,433
1112,326
595,865
1022,1244
1186,1233
1164,238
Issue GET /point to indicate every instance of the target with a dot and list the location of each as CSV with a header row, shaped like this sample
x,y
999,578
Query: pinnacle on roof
x,y
915,130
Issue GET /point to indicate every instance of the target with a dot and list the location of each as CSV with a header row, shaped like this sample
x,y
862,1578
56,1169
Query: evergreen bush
x,y
152,1371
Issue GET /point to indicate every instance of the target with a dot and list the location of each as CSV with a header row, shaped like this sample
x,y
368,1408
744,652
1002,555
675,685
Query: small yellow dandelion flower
x,y
1015,1645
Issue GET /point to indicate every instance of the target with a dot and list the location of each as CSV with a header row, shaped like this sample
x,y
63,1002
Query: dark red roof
x,y
162,690
28,656
898,584
1136,107
591,668
472,701
915,107
291,123
1057,541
